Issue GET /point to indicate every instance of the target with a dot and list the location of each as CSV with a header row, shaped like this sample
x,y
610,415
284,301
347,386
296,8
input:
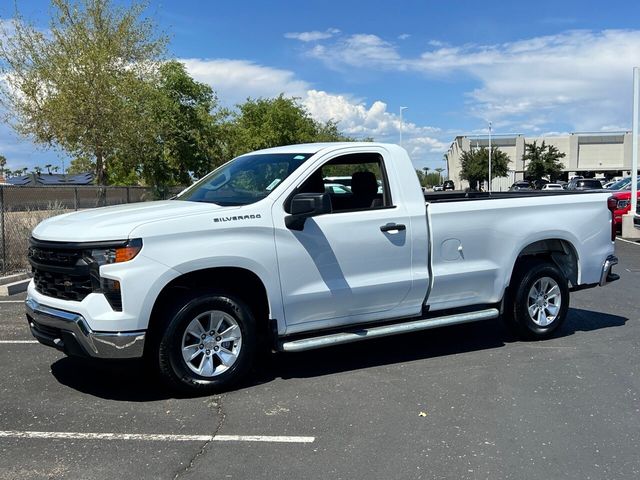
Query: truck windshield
x,y
245,179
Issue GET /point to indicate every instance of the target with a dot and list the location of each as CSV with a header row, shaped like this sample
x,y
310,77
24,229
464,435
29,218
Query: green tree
x,y
265,123
76,86
427,179
475,165
80,165
185,125
543,160
3,163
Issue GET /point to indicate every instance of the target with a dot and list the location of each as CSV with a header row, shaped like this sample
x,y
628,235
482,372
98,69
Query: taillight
x,y
612,204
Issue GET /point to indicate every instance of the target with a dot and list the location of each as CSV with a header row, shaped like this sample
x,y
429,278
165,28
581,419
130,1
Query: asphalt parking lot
x,y
465,402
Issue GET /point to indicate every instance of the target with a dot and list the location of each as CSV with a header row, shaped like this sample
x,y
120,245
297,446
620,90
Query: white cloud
x,y
359,50
581,78
359,120
235,80
313,36
404,36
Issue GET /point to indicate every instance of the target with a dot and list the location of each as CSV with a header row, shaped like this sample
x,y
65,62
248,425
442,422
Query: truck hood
x,y
116,222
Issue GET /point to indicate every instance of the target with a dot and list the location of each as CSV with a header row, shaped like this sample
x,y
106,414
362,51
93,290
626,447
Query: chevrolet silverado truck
x,y
260,254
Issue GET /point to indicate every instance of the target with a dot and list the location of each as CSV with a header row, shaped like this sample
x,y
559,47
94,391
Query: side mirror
x,y
305,205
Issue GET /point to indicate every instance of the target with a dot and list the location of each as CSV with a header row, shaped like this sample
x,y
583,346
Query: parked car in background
x,y
623,204
584,184
552,186
448,185
438,188
520,185
539,183
620,184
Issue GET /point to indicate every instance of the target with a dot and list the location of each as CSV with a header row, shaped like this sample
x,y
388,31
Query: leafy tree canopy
x,y
265,123
182,132
427,179
80,165
542,160
475,165
76,86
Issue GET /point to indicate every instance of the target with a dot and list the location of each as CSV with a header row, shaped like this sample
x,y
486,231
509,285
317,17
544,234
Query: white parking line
x,y
11,301
17,341
154,437
628,241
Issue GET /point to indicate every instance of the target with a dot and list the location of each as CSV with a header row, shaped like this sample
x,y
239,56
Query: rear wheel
x,y
539,300
209,344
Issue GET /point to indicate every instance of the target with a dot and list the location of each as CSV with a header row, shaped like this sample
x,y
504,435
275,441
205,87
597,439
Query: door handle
x,y
390,227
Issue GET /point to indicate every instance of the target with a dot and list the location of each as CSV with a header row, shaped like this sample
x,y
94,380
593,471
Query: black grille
x,y
63,258
60,272
60,285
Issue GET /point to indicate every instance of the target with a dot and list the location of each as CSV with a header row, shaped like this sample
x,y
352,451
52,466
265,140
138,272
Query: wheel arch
x,y
558,251
243,283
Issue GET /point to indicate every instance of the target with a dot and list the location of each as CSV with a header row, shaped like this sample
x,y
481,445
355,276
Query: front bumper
x,y
607,275
70,332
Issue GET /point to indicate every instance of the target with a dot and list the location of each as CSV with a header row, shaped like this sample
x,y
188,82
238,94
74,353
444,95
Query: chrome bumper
x,y
67,331
607,275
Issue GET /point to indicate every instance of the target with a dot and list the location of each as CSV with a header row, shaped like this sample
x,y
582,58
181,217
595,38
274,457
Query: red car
x,y
623,199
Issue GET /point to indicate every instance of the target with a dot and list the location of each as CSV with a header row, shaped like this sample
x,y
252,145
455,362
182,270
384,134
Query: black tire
x,y
528,315
174,369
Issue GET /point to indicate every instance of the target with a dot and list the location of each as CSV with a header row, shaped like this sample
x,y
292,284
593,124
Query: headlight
x,y
622,204
123,253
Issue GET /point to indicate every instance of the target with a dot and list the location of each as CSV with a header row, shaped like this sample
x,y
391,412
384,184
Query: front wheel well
x,y
240,282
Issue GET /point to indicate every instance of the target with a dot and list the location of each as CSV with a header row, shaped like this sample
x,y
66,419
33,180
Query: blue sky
x,y
530,67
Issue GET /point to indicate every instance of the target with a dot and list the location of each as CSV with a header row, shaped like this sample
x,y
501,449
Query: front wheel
x,y
209,344
540,299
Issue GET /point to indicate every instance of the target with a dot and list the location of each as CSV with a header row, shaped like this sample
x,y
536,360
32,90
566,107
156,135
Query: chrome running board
x,y
385,330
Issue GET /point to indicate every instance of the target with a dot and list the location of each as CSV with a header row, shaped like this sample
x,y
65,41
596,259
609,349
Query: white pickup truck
x,y
268,251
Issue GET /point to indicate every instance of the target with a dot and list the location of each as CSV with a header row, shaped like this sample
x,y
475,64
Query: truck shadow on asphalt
x,y
130,381
423,345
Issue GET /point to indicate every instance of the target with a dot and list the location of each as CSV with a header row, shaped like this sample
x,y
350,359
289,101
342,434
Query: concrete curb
x,y
12,284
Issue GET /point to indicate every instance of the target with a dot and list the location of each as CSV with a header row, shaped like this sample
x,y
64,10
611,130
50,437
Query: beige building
x,y
587,154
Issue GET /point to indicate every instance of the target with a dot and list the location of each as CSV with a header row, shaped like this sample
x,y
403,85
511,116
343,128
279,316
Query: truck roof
x,y
314,148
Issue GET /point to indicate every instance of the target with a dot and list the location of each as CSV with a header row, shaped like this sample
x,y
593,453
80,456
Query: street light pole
x,y
634,143
402,109
489,156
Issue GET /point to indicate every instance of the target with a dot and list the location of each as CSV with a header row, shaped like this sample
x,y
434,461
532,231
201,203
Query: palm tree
x,y
55,169
37,169
48,167
440,170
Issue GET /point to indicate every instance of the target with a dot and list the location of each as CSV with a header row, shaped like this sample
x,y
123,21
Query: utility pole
x,y
402,109
489,156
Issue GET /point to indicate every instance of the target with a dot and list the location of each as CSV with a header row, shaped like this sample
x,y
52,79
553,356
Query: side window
x,y
354,182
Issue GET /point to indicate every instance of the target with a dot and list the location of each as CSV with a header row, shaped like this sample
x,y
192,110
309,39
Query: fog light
x,y
111,290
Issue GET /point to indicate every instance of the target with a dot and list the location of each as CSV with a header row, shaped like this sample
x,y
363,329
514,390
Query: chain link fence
x,y
22,208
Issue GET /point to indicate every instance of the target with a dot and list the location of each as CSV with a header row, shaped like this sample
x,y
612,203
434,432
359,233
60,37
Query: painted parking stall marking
x,y
155,437
8,342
